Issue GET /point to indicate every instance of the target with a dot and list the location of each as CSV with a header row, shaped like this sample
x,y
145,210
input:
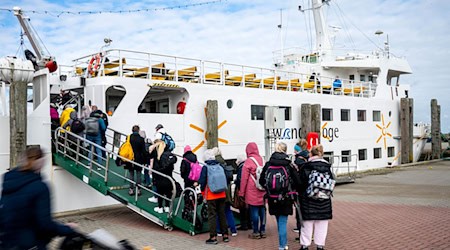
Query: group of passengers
x,y
253,190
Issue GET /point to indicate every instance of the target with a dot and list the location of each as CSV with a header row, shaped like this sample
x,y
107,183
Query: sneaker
x,y
139,192
297,239
225,238
254,236
234,234
159,210
263,235
166,209
211,241
131,191
304,248
296,230
219,234
320,248
153,199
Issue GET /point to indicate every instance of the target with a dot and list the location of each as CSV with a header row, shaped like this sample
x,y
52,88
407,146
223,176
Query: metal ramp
x,y
75,154
344,167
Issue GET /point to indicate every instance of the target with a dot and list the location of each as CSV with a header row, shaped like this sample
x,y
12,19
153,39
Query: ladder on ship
x,y
76,155
344,167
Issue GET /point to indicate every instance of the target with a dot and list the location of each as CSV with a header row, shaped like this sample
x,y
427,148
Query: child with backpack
x,y
190,168
316,212
278,177
252,192
301,156
213,184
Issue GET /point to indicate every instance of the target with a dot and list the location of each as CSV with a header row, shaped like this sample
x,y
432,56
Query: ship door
x,y
274,124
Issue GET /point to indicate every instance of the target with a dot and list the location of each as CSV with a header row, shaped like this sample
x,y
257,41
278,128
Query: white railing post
x,y
176,69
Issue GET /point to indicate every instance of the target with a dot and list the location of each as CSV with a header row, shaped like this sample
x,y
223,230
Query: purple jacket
x,y
253,196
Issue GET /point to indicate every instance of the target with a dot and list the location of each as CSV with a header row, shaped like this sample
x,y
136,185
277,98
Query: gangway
x,y
344,167
76,155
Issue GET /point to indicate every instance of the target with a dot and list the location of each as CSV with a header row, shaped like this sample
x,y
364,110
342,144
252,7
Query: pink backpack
x,y
196,170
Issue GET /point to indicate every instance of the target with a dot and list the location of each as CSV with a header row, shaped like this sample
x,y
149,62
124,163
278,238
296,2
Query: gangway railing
x,y
82,152
344,167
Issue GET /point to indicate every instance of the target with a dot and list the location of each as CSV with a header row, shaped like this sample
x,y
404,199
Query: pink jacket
x,y
253,196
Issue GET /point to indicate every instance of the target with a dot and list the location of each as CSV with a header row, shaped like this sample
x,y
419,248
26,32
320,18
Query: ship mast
x,y
323,45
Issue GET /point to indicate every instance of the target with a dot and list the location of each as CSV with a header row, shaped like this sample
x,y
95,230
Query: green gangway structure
x,y
77,155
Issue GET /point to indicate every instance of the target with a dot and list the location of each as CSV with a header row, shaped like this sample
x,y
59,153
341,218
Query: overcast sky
x,y
245,32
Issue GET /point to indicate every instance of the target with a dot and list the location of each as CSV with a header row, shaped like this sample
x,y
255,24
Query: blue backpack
x,y
217,181
168,140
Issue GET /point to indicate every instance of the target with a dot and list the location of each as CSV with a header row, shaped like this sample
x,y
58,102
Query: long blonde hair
x,y
160,146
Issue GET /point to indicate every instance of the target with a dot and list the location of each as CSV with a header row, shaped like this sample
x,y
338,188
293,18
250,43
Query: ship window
x,y
362,154
114,95
361,115
328,156
287,113
362,78
376,116
257,112
391,151
351,78
230,103
346,155
327,114
345,115
377,153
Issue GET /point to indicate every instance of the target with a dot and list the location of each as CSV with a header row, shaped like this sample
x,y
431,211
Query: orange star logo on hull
x,y
206,138
383,129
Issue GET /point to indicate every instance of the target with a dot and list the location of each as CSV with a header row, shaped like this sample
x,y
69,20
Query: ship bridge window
x,y
114,95
362,78
376,116
361,115
327,114
163,100
345,115
257,112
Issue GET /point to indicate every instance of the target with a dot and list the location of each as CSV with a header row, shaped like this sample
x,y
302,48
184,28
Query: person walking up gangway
x,y
95,126
140,157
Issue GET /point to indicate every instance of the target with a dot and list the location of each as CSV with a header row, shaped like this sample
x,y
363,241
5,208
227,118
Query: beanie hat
x,y
187,148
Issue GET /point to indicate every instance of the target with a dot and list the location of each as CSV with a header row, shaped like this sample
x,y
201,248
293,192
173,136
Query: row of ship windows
x,y
362,154
327,115
257,113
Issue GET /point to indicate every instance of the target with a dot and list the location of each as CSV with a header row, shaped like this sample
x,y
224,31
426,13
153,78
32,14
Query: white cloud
x,y
245,32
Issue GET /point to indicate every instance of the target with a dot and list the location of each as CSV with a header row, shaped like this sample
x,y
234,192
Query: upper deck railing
x,y
135,64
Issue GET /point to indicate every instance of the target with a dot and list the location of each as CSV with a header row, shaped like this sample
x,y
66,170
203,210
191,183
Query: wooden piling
x,y
212,134
405,135
17,121
316,118
436,144
411,130
305,120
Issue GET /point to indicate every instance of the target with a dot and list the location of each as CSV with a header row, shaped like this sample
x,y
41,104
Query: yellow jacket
x,y
65,116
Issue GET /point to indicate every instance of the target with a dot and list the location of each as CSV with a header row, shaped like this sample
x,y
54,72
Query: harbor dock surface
x,y
395,208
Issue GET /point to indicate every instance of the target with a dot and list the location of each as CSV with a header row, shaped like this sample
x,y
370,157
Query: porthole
x,y
230,104
390,113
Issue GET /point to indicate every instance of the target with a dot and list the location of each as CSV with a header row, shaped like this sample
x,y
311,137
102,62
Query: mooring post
x,y
17,121
316,118
305,120
405,135
411,129
436,144
212,134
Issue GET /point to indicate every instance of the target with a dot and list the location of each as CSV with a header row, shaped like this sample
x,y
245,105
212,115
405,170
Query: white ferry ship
x,y
360,114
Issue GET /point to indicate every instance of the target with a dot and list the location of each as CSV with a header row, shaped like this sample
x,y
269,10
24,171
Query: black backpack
x,y
167,159
77,126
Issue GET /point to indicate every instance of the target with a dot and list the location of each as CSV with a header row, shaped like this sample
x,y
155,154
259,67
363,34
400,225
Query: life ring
x,y
94,64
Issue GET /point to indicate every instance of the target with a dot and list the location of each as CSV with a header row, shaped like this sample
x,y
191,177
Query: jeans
x,y
230,219
96,140
258,217
136,178
282,233
147,178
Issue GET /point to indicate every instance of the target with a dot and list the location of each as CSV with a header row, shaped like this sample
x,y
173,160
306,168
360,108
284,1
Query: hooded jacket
x,y
314,209
25,213
253,196
280,207
185,167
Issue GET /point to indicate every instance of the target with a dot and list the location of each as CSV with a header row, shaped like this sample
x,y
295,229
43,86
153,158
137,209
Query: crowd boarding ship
x,y
360,112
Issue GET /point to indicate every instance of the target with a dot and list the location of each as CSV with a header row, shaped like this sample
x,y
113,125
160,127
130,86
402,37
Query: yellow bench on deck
x,y
215,76
158,72
283,84
183,74
237,80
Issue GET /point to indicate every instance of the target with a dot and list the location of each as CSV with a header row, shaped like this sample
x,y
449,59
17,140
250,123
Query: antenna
x,y
280,26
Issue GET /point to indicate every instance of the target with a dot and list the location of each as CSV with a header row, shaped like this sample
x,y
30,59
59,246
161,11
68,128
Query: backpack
x,y
92,126
320,185
167,159
277,182
228,172
196,170
217,181
77,126
168,140
259,170
126,151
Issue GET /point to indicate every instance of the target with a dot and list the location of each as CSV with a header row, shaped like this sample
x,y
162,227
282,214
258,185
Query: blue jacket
x,y
25,214
203,180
